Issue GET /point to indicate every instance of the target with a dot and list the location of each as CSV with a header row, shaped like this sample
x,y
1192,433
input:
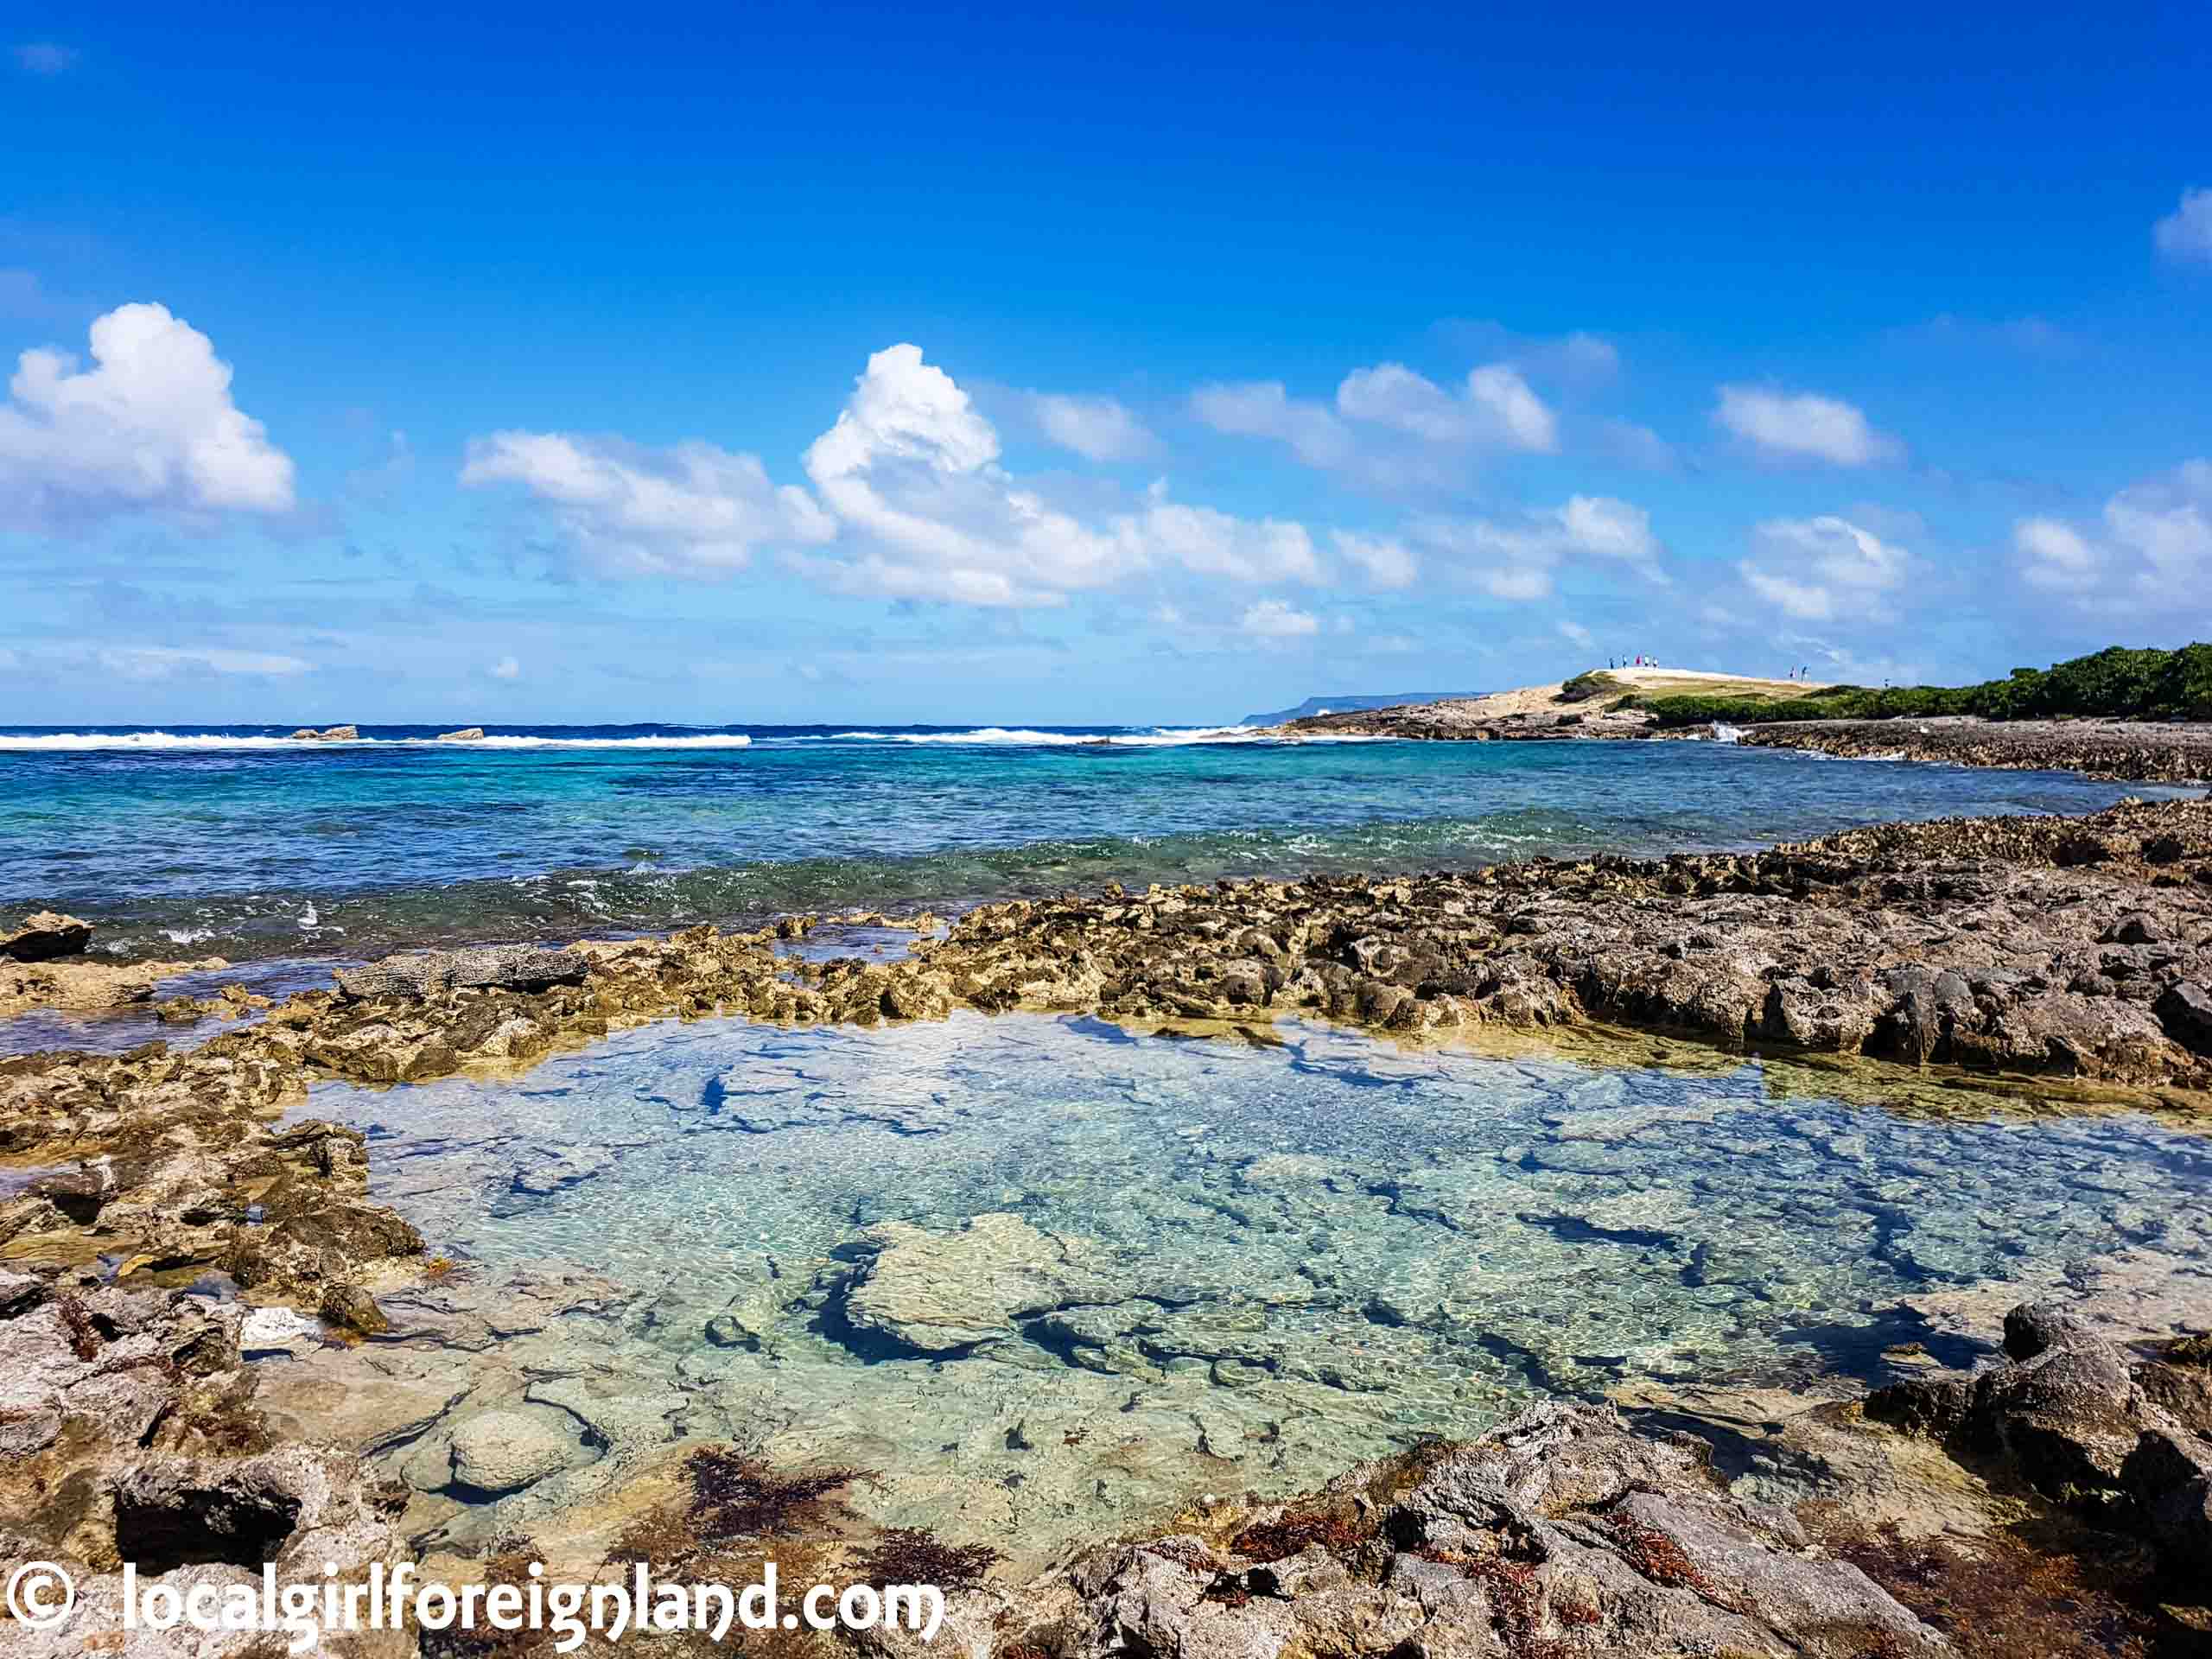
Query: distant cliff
x,y
1338,705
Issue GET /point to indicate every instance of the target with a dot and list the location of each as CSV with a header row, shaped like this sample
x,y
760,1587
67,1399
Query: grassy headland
x,y
2115,683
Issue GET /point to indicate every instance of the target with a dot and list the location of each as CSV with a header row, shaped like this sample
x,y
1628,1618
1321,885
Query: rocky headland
x,y
1605,706
155,1210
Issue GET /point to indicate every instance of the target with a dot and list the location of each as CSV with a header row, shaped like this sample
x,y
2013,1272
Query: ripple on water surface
x,y
1050,1278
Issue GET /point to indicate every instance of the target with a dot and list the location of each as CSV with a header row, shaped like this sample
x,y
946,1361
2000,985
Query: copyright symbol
x,y
41,1596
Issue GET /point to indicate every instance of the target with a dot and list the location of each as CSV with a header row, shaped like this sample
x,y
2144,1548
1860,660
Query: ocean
x,y
240,842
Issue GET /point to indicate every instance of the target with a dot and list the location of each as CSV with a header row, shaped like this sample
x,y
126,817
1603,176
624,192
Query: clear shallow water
x,y
1192,1266
239,843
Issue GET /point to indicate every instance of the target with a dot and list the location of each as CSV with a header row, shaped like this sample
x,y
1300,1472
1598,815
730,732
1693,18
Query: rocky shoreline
x,y
2170,752
2131,751
2076,950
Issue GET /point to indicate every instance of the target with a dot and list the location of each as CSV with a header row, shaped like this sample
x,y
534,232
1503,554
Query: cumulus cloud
x,y
1392,394
909,501
1515,559
1265,408
1498,406
1822,569
1523,419
160,662
1575,633
151,426
690,510
505,668
912,472
46,58
2149,553
1387,560
1802,426
2055,555
1275,619
1220,544
2186,233
1389,426
1098,428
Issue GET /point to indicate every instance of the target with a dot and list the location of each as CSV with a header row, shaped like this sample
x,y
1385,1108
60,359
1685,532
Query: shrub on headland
x,y
2116,682
1594,683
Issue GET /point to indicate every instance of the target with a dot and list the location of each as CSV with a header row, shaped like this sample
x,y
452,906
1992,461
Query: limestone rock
x,y
939,1291
506,967
466,734
43,936
1561,1532
2185,1010
501,1451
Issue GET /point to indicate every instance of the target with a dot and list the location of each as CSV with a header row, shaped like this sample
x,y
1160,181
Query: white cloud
x,y
1822,569
159,662
911,470
150,426
1263,408
1273,618
1390,427
505,668
2055,555
1522,417
1515,559
46,58
2152,554
1803,427
1387,560
909,502
1575,633
1392,394
2186,233
690,510
1098,429
1498,407
1216,544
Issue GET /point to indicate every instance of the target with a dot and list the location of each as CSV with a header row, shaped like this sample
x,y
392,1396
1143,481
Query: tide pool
x,y
1050,1279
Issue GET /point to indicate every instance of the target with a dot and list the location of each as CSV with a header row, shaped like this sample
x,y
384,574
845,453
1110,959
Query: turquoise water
x,y
941,1250
238,842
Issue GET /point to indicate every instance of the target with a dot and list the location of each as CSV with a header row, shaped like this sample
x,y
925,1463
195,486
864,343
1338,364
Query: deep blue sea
x,y
238,841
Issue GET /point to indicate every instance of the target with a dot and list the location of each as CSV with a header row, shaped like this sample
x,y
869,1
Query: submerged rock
x,y
941,1291
500,1451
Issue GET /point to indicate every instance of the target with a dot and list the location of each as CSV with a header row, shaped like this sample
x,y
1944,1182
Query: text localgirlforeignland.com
x,y
42,1596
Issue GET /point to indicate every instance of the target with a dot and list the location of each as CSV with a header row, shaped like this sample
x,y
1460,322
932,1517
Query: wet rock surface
x,y
44,936
1560,1533
2123,1437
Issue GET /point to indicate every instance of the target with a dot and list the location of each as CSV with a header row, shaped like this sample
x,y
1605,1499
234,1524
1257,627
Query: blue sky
x,y
879,364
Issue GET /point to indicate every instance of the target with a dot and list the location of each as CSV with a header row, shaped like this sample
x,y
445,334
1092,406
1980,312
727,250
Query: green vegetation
x,y
2116,682
1583,686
